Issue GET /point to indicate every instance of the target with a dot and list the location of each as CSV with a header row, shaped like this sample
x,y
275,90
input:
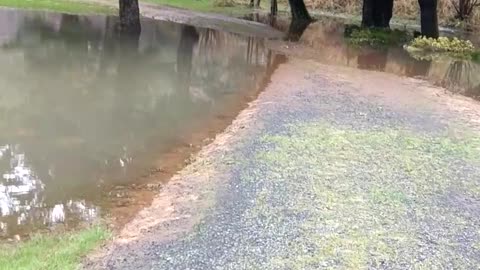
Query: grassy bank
x,y
65,6
90,7
63,251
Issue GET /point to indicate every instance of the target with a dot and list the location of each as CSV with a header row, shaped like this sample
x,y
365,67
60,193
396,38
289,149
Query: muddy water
x,y
84,113
324,41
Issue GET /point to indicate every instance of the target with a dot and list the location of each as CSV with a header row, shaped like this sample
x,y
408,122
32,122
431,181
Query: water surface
x,y
83,110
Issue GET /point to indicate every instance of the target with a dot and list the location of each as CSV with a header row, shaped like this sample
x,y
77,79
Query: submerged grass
x,y
65,6
371,198
62,252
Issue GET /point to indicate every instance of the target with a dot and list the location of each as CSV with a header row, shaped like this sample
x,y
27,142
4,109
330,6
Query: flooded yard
x,y
91,124
84,114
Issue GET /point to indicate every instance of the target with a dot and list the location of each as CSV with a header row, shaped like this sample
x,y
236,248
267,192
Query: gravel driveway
x,y
331,168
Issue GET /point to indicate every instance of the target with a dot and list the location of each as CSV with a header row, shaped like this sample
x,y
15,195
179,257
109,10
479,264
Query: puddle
x,y
324,42
87,122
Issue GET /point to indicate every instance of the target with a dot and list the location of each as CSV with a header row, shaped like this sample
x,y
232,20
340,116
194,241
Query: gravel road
x,y
330,168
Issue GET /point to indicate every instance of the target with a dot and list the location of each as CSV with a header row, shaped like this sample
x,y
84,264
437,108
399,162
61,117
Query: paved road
x,y
332,169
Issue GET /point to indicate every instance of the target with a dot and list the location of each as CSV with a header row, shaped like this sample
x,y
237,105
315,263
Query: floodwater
x,y
83,112
324,41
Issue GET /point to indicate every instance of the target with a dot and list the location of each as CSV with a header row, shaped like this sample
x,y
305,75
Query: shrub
x,y
442,44
429,48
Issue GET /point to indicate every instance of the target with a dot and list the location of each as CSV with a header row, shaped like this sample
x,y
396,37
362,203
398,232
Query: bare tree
x,y
464,8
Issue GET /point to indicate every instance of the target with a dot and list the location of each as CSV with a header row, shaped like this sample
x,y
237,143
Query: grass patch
x,y
375,37
50,252
65,6
367,198
218,6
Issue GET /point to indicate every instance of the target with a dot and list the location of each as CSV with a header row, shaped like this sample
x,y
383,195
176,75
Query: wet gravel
x,y
234,234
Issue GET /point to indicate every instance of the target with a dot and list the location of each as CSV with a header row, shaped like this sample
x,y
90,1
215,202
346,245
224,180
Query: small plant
x,y
376,37
422,47
442,44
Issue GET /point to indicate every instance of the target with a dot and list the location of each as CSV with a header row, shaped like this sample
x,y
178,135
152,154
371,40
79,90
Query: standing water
x,y
82,112
324,41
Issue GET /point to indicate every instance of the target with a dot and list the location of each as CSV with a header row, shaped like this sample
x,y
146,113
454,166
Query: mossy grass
x,y
375,37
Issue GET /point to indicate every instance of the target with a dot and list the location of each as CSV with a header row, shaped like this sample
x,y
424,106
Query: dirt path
x,y
329,168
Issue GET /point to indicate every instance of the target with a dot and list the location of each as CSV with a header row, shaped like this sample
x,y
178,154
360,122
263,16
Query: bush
x,y
442,44
428,48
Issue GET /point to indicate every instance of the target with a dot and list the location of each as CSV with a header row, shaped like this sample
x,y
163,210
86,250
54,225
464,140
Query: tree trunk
x,y
129,16
383,13
367,13
273,7
377,13
429,18
299,11
296,29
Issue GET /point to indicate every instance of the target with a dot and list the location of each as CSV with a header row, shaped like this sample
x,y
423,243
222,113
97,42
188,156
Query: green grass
x,y
375,37
205,6
49,252
84,7
368,197
65,6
